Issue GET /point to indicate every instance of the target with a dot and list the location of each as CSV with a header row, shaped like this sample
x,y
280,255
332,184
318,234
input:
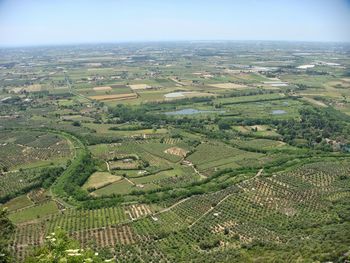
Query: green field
x,y
122,187
34,213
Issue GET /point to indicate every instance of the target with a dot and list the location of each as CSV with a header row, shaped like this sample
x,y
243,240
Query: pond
x,y
278,112
190,112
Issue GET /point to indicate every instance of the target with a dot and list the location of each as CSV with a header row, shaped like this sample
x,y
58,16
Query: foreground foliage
x,y
59,247
6,231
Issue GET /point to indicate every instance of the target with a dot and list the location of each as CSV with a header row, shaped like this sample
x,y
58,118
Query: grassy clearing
x,y
121,187
35,212
100,179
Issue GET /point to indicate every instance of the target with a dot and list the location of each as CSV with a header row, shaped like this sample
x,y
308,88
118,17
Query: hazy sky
x,y
37,22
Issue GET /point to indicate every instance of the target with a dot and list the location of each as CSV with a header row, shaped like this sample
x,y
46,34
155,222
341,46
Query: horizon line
x,y
86,43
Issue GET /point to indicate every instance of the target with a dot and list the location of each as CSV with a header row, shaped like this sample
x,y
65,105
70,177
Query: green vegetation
x,y
6,231
194,152
60,248
316,127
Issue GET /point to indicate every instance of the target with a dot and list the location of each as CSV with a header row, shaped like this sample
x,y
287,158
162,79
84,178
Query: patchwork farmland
x,y
186,152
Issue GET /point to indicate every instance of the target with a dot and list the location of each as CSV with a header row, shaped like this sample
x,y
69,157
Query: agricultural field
x,y
186,152
18,203
30,149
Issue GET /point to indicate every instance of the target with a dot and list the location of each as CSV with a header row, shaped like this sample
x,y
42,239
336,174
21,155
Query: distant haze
x,y
43,22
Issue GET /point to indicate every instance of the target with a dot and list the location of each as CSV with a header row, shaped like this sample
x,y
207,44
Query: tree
x,y
59,247
6,230
76,123
224,125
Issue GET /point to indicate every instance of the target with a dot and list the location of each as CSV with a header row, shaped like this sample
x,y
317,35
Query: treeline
x,y
100,202
91,139
131,127
250,101
78,177
69,184
242,93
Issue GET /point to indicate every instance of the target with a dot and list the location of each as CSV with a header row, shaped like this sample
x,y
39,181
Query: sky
x,y
54,22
